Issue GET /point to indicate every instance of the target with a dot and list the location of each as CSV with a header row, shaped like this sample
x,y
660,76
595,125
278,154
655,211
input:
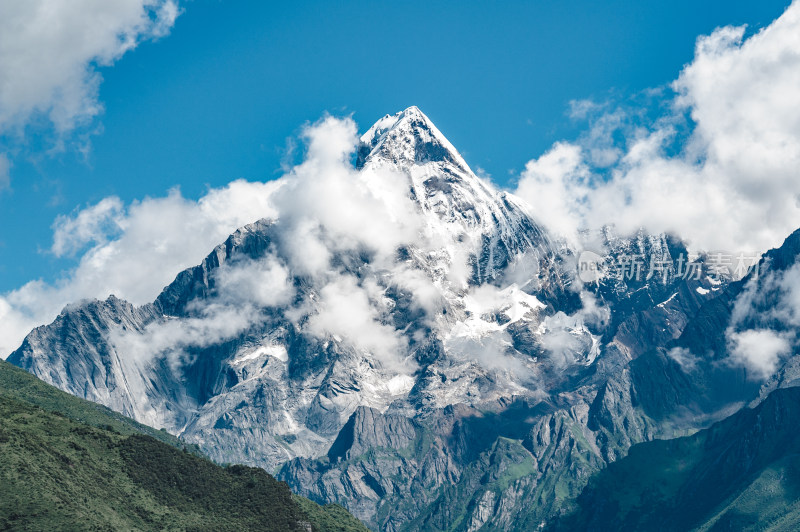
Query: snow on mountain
x,y
191,359
406,296
458,206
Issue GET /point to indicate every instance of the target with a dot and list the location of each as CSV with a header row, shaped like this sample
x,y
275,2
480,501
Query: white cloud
x,y
492,351
591,313
264,282
328,207
580,109
759,350
93,225
425,294
50,51
684,357
771,299
347,311
134,251
764,319
567,338
556,186
171,338
562,340
734,183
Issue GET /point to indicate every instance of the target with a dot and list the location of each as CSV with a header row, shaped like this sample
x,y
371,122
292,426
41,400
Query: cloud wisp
x,y
730,182
50,52
764,320
323,210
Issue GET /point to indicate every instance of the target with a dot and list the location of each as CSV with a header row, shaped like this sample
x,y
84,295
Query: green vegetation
x,y
21,385
66,464
329,518
742,473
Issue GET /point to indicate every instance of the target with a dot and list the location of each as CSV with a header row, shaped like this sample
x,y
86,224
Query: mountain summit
x,y
458,205
406,138
461,376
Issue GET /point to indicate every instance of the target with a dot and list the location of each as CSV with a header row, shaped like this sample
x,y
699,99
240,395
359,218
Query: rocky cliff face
x,y
488,385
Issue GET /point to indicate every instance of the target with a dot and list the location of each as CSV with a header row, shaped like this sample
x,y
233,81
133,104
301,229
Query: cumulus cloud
x,y
133,251
328,217
327,207
759,350
556,186
733,183
50,51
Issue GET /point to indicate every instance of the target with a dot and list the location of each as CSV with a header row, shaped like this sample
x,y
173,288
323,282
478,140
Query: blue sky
x,y
223,95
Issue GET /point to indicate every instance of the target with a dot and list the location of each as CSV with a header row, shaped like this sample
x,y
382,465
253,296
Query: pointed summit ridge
x,y
458,206
408,137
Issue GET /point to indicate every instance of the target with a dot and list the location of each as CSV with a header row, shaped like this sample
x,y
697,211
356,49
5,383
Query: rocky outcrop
x,y
368,429
516,384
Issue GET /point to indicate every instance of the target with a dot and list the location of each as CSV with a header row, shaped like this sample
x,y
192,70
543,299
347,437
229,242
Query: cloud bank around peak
x,y
131,251
324,209
721,168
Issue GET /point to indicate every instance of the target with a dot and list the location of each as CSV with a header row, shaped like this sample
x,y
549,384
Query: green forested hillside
x,y
742,473
67,464
21,385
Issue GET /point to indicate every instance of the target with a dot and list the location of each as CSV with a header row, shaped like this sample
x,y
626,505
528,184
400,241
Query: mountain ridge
x,y
741,473
71,464
499,354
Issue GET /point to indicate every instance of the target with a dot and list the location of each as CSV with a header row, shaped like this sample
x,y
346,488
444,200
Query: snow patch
x,y
274,351
664,303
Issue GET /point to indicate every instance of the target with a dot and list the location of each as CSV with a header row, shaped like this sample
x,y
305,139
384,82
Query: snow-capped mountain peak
x,y
408,137
473,313
458,207
382,383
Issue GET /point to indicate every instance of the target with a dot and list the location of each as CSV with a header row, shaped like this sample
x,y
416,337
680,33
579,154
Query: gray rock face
x,y
74,354
515,386
366,429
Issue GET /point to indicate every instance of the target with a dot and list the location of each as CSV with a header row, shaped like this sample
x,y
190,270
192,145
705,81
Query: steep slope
x,y
67,464
485,377
20,385
273,389
742,473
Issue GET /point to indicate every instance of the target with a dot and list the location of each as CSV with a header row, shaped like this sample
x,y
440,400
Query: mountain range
x,y
436,361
